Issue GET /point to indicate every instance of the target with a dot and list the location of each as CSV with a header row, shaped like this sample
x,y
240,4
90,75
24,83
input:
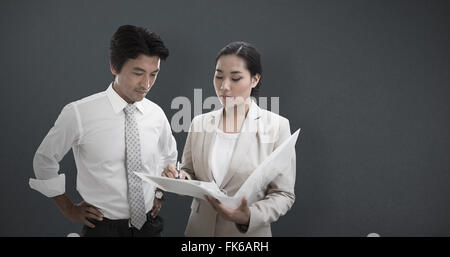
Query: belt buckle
x,y
129,223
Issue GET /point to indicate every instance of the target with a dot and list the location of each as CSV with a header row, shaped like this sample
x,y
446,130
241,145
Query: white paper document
x,y
255,183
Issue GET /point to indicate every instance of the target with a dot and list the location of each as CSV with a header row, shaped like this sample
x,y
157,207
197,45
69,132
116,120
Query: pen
x,y
178,169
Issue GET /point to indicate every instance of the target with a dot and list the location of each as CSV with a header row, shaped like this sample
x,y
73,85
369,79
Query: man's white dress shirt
x,y
94,127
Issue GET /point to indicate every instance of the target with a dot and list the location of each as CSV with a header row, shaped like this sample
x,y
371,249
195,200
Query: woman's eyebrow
x,y
233,72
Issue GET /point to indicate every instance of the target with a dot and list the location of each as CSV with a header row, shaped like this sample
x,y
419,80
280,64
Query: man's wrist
x,y
160,195
63,202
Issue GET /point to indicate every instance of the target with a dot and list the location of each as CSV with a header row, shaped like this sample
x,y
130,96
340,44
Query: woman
x,y
225,146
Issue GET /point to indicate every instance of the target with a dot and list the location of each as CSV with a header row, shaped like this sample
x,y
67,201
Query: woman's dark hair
x,y
251,57
129,41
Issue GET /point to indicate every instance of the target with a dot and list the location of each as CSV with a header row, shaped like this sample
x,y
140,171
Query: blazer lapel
x,y
247,134
210,127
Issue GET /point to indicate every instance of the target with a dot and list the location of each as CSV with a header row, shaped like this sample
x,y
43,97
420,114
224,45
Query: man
x,y
113,134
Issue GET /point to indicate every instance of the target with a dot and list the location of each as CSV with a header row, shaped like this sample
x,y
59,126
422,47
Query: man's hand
x,y
241,215
157,204
79,212
171,172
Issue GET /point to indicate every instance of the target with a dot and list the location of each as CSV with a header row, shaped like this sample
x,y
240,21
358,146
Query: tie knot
x,y
129,109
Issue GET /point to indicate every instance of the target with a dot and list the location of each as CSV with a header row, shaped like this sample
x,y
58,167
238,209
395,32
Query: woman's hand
x,y
241,215
171,172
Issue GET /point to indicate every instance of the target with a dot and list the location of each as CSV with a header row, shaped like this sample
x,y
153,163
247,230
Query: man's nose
x,y
145,82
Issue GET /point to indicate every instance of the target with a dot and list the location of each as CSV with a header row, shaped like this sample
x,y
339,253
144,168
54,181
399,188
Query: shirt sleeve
x,y
167,146
61,137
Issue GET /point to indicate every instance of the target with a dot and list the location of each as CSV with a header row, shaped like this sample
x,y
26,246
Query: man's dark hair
x,y
129,41
251,57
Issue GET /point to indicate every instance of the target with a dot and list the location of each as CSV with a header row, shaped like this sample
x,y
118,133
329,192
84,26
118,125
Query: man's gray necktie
x,y
133,160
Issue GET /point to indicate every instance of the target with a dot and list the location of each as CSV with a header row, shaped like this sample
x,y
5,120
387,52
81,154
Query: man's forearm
x,y
63,202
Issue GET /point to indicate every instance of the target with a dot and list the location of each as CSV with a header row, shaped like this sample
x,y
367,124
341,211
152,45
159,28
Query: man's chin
x,y
139,98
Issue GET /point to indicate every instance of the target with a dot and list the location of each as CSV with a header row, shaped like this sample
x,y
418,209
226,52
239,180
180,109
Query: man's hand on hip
x,y
77,212
80,212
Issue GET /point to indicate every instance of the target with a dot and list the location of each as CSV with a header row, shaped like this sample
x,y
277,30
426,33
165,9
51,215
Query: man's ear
x,y
113,71
255,80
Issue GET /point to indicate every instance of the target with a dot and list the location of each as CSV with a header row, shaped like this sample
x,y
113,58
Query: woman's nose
x,y
225,85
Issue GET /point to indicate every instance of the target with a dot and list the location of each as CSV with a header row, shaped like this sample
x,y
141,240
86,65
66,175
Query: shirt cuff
x,y
50,187
188,176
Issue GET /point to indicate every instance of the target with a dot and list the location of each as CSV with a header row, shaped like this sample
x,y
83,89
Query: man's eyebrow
x,y
219,70
140,69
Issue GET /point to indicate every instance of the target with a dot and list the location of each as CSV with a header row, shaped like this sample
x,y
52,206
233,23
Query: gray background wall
x,y
367,81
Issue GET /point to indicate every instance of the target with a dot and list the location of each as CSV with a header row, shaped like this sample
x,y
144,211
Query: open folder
x,y
268,170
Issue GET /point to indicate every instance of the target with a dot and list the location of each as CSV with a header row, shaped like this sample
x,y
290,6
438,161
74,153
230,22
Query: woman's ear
x,y
255,80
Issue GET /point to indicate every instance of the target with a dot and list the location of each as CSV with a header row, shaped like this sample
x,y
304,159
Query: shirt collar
x,y
118,103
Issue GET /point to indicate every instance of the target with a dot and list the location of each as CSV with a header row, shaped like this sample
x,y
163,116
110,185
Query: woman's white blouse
x,y
222,152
